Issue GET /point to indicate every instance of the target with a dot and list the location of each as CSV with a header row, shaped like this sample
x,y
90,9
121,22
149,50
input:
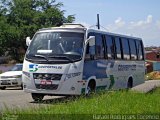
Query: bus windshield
x,y
56,46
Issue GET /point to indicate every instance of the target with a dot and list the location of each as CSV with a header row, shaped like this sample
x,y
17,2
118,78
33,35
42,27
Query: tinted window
x,y
64,44
17,67
87,55
125,46
118,48
87,49
140,50
90,34
133,49
110,47
99,46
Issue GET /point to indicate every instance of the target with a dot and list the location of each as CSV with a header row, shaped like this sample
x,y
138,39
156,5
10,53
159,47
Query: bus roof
x,y
80,27
66,26
112,34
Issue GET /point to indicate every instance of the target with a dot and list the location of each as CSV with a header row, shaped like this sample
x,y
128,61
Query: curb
x,y
147,86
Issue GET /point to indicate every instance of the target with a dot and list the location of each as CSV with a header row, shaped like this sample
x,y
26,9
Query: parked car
x,y
12,78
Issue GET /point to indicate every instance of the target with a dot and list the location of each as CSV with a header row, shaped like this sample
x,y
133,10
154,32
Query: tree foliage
x,y
22,18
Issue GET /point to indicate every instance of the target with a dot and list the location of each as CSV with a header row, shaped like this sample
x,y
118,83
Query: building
x,y
152,60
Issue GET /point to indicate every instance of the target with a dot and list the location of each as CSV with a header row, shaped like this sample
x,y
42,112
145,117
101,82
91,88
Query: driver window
x,y
88,56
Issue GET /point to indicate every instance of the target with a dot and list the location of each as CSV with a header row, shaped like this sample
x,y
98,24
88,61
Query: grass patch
x,y
117,102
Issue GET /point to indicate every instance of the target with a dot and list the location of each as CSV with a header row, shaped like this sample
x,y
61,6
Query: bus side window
x,y
125,46
133,49
118,48
110,47
99,47
140,50
89,56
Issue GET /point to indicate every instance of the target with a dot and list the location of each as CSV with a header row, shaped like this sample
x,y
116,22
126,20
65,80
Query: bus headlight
x,y
71,75
68,76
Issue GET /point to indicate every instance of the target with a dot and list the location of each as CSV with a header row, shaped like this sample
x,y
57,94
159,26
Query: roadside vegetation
x,y
155,75
22,18
110,102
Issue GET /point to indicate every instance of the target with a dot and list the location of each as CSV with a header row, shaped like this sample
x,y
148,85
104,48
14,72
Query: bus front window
x,y
59,44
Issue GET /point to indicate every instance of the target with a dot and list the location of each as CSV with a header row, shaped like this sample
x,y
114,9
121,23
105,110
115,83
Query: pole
x,y
98,24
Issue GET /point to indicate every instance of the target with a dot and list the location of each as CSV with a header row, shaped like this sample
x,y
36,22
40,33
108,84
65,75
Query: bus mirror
x,y
28,41
92,45
92,41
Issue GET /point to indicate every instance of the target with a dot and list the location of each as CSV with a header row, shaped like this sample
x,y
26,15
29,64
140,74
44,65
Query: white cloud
x,y
158,23
147,29
142,23
119,22
149,19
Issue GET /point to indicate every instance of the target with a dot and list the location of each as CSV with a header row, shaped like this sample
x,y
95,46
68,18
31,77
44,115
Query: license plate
x,y
46,82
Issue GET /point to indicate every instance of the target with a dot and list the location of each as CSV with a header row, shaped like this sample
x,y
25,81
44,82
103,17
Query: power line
x,y
95,26
92,26
105,28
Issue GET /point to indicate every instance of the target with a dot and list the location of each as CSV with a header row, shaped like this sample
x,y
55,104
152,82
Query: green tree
x,y
22,18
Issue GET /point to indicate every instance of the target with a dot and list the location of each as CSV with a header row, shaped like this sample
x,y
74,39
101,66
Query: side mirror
x,y
28,41
92,45
92,41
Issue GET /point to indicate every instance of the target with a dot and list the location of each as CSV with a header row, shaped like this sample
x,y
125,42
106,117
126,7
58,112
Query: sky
x,y
139,18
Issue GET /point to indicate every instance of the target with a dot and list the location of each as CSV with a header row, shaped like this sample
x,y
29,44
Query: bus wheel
x,y
91,87
3,88
37,97
88,92
130,83
22,86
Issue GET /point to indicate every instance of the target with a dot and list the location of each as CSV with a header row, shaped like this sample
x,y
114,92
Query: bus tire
x,y
3,88
130,83
22,86
91,87
37,97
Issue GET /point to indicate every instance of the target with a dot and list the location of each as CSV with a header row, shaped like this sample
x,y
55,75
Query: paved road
x,y
16,98
147,86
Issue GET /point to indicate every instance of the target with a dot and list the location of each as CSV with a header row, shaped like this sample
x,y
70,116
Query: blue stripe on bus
x,y
96,68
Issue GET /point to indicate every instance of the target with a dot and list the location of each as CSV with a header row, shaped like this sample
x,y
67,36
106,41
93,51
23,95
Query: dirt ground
x,y
153,75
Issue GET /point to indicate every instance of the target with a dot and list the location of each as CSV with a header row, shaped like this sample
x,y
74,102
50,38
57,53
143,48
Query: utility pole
x,y
98,24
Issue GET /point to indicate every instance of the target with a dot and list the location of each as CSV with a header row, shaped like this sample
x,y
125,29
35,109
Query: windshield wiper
x,y
47,57
62,57
41,56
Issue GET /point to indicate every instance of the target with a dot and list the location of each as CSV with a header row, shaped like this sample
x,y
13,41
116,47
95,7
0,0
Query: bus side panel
x,y
123,70
114,74
98,69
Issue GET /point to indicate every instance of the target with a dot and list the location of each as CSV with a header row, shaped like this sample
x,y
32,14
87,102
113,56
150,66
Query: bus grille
x,y
47,76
